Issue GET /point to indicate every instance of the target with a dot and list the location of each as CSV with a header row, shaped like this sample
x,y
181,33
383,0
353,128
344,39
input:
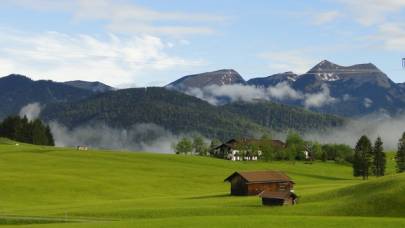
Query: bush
x,y
337,152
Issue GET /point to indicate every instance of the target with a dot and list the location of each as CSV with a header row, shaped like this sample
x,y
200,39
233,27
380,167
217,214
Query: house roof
x,y
234,142
261,176
276,195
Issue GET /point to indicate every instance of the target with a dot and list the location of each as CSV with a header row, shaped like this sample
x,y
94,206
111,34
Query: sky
x,y
133,43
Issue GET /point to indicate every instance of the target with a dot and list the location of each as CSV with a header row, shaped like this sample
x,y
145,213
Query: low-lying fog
x,y
153,138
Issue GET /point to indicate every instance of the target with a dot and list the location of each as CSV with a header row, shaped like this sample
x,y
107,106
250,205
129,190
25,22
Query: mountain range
x,y
352,91
83,104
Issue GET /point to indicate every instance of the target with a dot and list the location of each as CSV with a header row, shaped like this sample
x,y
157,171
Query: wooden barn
x,y
254,183
278,198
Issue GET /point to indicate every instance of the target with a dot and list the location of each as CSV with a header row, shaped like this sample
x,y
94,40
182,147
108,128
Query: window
x,y
282,186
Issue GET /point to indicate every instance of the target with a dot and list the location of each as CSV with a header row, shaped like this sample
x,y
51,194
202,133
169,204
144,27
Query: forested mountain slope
x,y
181,113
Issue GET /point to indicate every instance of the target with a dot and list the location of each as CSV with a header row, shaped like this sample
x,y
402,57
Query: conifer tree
x,y
363,158
379,158
400,156
51,140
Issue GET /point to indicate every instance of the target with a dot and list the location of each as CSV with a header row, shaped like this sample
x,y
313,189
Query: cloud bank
x,y
124,16
113,60
390,129
218,95
140,137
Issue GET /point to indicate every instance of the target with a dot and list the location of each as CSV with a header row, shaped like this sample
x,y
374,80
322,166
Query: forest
x,y
23,130
183,114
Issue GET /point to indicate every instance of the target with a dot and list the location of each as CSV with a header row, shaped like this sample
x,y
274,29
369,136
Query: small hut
x,y
253,183
278,198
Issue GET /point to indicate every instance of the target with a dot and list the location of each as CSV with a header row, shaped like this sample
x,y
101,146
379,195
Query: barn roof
x,y
276,195
261,176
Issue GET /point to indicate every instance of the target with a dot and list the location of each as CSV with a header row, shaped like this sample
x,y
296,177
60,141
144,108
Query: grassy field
x,y
58,187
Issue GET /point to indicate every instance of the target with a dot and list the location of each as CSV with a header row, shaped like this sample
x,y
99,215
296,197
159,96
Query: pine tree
x,y
363,158
400,156
38,133
379,158
51,140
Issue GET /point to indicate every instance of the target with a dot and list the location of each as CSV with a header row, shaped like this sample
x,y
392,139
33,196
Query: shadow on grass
x,y
29,221
320,176
210,196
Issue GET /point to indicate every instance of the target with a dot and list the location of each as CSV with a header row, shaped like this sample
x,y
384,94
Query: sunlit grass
x,y
107,189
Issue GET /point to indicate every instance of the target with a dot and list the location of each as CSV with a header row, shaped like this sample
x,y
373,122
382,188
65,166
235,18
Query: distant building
x,y
243,149
82,148
254,183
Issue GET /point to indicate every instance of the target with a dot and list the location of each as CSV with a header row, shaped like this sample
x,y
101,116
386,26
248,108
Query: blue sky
x,y
128,43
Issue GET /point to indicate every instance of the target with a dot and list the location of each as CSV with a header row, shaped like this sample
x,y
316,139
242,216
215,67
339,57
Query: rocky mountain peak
x,y
219,77
325,66
96,87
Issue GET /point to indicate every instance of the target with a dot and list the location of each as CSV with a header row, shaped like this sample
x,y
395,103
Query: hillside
x,y
172,110
96,87
17,91
281,117
181,113
115,189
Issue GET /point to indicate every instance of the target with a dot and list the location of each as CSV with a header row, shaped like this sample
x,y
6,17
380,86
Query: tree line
x,y
22,130
296,149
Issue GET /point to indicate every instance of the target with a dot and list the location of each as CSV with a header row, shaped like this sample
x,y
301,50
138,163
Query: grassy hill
x,y
57,187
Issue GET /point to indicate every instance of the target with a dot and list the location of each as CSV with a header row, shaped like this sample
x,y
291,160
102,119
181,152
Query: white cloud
x,y
43,5
62,57
326,17
126,17
320,99
214,93
282,61
385,18
367,102
371,12
392,36
31,111
218,95
283,91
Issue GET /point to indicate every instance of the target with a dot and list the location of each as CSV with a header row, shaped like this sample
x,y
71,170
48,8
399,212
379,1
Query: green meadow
x,y
62,187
